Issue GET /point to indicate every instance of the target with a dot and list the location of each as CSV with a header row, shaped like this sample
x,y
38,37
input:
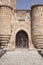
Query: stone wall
x,y
5,20
37,25
13,20
21,21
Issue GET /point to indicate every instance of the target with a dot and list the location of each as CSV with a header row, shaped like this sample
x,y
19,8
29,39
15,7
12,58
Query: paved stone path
x,y
21,57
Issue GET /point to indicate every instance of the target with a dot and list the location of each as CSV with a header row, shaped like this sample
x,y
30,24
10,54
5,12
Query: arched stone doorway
x,y
21,39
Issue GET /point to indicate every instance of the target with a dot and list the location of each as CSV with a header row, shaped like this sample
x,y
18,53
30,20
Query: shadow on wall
x,y
2,52
41,52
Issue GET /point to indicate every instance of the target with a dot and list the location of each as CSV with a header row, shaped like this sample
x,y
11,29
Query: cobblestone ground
x,y
21,57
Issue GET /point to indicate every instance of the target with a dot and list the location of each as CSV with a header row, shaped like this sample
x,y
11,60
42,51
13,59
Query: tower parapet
x,y
9,3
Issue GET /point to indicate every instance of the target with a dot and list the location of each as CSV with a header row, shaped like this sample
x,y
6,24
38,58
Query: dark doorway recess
x,y
21,39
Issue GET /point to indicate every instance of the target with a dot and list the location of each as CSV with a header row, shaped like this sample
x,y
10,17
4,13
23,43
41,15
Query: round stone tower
x,y
37,25
6,7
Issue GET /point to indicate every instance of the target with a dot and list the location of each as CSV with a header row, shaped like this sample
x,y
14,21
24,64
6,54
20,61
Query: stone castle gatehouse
x,y
20,28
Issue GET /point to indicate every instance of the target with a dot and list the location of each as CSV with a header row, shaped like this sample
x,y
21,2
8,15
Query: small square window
x,y
21,20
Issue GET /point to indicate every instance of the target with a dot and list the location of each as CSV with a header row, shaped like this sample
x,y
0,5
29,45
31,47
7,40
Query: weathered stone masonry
x,y
20,28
